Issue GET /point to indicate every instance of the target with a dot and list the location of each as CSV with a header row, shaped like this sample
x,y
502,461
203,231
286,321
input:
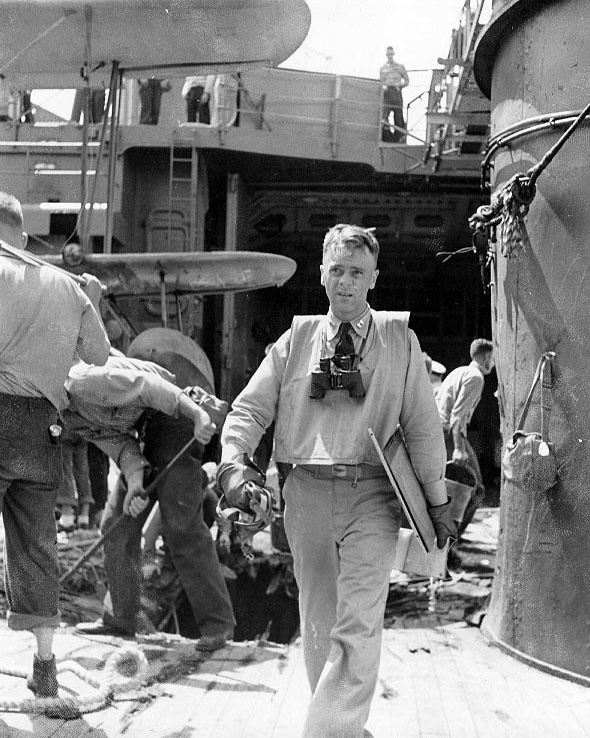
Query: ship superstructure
x,y
287,154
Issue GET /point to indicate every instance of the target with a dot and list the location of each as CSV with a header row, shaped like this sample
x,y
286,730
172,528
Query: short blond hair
x,y
352,236
480,347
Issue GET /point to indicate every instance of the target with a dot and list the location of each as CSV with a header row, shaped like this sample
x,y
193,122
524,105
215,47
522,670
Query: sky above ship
x,y
350,38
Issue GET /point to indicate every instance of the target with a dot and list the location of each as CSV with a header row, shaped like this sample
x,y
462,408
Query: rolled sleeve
x,y
466,402
125,451
130,458
116,387
93,342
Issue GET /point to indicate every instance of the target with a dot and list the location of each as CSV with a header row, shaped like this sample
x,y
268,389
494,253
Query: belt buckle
x,y
339,470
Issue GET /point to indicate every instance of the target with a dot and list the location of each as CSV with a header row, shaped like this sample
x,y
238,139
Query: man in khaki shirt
x,y
46,321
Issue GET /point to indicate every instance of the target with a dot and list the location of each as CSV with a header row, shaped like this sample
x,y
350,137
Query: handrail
x,y
332,114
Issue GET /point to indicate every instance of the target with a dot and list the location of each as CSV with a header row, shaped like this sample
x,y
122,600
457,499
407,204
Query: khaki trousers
x,y
342,532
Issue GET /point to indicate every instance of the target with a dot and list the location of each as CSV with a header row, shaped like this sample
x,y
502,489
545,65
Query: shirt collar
x,y
474,365
360,325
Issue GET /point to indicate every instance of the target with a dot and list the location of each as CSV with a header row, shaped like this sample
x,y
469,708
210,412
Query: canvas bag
x,y
529,460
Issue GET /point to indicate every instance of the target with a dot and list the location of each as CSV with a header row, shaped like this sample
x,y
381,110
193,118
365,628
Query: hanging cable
x,y
10,62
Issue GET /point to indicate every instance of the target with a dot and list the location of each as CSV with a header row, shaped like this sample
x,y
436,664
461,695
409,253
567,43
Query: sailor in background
x,y
197,93
457,399
150,94
107,404
435,370
393,78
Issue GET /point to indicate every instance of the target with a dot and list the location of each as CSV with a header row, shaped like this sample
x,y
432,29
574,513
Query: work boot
x,y
43,681
210,643
101,627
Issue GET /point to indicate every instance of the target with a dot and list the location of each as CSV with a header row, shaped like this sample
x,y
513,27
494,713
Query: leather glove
x,y
232,478
445,526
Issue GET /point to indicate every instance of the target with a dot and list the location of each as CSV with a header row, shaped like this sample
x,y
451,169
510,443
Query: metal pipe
x,y
81,225
115,109
505,138
163,300
118,523
88,218
82,217
525,122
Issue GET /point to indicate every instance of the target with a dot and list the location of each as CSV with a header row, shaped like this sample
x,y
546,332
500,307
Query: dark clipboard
x,y
403,479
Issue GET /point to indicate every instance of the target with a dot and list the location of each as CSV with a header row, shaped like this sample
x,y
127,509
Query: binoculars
x,y
339,377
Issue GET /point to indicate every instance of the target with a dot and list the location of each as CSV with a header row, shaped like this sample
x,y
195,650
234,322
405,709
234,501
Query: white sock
x,y
44,638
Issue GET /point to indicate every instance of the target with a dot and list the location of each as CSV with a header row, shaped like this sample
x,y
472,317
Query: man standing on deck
x,y
394,78
326,381
197,93
46,321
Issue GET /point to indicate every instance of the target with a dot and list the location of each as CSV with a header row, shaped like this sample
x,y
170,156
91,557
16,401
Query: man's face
x,y
347,275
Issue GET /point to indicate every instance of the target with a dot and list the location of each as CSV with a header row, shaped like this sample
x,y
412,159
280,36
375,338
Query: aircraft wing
x,y
43,43
198,272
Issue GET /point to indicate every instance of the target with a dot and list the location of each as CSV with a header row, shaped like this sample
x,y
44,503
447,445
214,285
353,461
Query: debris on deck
x,y
264,591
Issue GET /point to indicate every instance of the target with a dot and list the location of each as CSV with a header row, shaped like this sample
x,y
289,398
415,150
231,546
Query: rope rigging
x,y
71,708
503,218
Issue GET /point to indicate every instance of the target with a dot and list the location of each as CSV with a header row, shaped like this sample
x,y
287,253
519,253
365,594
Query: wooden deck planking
x,y
450,678
493,692
267,702
245,678
431,717
481,685
513,692
191,700
394,710
291,700
217,686
513,703
436,681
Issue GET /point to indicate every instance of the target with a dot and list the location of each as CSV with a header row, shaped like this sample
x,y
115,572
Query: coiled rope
x,y
111,681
